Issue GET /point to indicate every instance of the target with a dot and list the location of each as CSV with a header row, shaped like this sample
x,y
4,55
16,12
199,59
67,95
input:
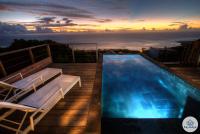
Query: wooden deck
x,y
75,114
190,74
70,115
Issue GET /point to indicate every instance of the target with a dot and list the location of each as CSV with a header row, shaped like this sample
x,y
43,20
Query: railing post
x,y
97,55
48,51
3,69
73,56
198,61
31,55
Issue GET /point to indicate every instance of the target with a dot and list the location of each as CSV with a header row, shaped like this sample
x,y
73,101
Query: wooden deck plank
x,y
61,130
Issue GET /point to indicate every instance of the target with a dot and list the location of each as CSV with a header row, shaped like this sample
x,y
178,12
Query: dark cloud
x,y
52,22
6,28
67,20
172,25
178,23
183,27
12,29
44,8
47,20
104,20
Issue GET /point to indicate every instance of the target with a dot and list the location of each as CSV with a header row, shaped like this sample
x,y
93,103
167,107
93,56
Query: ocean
x,y
133,41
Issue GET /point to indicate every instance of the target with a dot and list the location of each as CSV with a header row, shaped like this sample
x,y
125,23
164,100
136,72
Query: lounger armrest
x,y
7,84
20,74
17,107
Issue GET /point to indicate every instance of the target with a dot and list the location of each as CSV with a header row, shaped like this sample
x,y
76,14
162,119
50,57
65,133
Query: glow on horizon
x,y
123,26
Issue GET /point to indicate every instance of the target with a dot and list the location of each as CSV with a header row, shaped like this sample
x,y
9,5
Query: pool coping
x,y
94,114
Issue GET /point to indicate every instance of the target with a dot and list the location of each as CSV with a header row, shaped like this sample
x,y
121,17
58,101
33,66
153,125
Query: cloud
x,y
6,28
12,29
178,22
39,29
183,27
47,20
173,25
44,8
104,20
59,25
67,20
51,22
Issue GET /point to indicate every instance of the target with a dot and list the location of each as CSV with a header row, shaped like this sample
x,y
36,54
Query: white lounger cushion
x,y
46,74
46,93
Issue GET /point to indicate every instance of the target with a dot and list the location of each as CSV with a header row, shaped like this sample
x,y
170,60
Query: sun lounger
x,y
25,85
38,104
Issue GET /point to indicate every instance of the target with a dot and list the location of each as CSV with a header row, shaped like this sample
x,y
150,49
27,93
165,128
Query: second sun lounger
x,y
26,84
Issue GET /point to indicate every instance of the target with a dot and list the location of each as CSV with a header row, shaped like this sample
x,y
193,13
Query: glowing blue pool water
x,y
134,87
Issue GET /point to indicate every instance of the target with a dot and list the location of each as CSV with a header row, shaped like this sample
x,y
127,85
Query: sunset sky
x,y
99,15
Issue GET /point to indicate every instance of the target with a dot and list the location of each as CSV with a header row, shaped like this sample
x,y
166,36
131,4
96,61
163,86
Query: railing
x,y
92,50
75,53
15,60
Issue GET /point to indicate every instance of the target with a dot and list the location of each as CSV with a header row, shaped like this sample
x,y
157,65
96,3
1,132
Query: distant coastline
x,y
21,43
133,41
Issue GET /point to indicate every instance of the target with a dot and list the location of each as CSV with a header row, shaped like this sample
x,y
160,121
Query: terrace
x,y
75,111
80,111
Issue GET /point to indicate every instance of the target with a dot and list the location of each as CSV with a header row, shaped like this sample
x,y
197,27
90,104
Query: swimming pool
x,y
134,87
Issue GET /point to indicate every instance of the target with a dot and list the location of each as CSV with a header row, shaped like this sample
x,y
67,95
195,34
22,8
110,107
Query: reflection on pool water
x,y
134,87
